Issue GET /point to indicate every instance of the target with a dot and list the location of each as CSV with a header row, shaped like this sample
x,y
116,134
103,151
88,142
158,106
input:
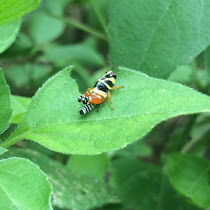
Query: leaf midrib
x,y
154,32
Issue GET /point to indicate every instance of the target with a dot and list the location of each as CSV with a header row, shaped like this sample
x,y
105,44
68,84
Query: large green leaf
x,y
13,9
156,36
190,176
23,185
5,104
144,186
53,118
70,190
8,33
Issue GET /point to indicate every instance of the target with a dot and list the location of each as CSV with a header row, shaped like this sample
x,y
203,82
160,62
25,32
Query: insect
x,y
99,93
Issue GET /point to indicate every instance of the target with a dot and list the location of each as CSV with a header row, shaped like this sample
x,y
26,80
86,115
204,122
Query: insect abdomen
x,y
86,108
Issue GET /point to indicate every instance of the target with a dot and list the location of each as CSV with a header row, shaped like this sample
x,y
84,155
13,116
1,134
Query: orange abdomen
x,y
97,99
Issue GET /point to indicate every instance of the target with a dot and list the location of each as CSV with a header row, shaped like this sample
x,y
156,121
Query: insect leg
x,y
109,97
98,108
117,87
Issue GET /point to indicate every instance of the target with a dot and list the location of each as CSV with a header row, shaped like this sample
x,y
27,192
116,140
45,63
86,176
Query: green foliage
x,y
8,33
144,186
190,176
32,189
78,192
157,136
160,35
12,9
5,104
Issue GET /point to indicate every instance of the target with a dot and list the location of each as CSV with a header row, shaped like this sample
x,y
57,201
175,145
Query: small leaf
x,y
53,118
189,175
2,150
13,9
8,33
5,104
23,185
44,28
19,105
156,37
70,190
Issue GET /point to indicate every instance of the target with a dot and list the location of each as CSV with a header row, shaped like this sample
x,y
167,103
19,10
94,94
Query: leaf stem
x,y
78,25
10,141
99,16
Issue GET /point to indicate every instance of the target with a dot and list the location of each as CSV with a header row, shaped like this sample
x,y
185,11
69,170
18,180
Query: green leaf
x,y
13,9
155,37
143,186
44,28
5,104
2,150
28,76
19,105
53,120
189,175
94,165
70,190
8,33
62,55
23,185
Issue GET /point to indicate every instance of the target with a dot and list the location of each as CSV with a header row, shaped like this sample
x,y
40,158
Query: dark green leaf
x,y
143,186
156,37
53,118
23,186
189,175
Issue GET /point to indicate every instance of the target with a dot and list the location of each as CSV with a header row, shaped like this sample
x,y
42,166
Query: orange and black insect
x,y
99,93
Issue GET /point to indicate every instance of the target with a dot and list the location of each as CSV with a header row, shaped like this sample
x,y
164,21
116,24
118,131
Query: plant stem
x,y
187,147
78,25
99,16
11,140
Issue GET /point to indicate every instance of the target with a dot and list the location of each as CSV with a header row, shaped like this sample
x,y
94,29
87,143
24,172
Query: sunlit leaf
x,y
13,9
53,118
